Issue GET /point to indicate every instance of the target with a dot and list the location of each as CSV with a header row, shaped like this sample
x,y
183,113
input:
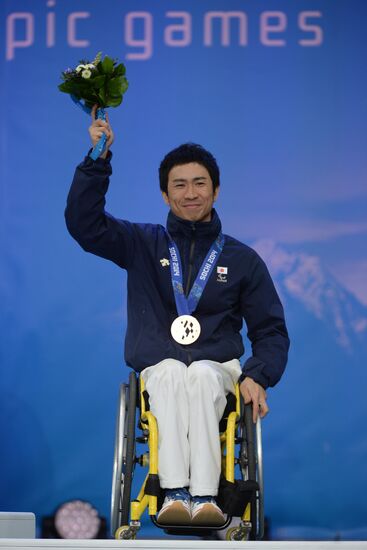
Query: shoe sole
x,y
175,514
208,515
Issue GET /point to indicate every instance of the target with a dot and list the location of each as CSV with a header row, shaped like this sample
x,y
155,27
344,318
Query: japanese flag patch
x,y
222,273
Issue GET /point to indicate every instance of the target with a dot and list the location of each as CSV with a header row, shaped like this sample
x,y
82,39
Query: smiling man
x,y
190,194
190,287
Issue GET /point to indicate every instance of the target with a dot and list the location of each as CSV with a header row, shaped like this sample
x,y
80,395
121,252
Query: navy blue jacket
x,y
247,291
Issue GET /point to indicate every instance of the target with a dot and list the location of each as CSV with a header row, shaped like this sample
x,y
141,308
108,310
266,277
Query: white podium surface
x,y
172,544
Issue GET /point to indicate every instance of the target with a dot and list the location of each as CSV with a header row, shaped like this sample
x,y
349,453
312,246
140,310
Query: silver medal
x,y
185,329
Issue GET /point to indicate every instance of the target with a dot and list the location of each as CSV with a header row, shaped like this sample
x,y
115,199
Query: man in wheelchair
x,y
189,289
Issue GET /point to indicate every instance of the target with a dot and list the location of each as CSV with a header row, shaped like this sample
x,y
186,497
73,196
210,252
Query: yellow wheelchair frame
x,y
126,514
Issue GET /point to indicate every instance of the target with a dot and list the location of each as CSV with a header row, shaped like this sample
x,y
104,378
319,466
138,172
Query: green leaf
x,y
124,85
98,81
117,85
107,65
64,87
120,70
99,68
102,97
114,85
114,102
67,87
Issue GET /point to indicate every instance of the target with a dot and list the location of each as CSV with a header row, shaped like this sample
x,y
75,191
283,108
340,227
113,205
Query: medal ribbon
x,y
187,305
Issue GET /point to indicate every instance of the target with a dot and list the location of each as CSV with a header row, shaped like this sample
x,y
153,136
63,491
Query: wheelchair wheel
x,y
251,468
124,455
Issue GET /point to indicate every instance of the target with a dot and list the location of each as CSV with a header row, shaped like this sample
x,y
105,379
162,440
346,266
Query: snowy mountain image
x,y
315,440
303,278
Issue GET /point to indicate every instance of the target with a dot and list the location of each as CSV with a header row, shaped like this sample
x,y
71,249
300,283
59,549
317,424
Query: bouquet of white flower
x,y
100,82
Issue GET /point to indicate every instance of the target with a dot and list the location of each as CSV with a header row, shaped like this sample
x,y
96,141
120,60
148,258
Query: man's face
x,y
190,192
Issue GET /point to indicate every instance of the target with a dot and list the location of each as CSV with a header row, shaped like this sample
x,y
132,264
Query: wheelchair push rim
x,y
124,455
252,468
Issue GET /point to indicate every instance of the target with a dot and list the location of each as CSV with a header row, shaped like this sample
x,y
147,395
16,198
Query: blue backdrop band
x,y
101,114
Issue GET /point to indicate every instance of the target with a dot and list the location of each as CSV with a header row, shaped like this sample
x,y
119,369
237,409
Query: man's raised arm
x,y
86,219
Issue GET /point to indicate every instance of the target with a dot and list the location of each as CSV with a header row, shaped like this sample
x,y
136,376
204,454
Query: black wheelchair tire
x,y
251,457
130,450
248,459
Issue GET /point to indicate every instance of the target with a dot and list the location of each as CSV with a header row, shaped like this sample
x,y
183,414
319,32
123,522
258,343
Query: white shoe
x,y
176,509
205,511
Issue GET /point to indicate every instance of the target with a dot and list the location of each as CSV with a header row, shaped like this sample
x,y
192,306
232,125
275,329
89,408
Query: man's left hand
x,y
253,392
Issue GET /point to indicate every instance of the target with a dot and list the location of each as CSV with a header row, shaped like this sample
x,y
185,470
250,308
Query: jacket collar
x,y
178,227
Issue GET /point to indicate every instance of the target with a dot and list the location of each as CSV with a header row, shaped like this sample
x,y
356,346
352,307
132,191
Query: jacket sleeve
x,y
267,331
94,229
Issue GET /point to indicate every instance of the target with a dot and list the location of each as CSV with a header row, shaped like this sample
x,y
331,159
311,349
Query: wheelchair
x,y
242,500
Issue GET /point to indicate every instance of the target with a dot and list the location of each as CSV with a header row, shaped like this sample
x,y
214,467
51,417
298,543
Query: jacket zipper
x,y
189,276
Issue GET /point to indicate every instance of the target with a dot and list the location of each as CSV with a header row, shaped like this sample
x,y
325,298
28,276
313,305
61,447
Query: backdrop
x,y
277,91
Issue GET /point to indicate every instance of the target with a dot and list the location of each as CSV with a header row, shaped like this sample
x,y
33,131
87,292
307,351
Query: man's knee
x,y
169,373
202,372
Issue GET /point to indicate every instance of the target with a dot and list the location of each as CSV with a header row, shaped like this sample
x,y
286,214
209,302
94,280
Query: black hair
x,y
184,154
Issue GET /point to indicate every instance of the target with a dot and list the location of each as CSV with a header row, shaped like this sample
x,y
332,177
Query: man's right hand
x,y
99,127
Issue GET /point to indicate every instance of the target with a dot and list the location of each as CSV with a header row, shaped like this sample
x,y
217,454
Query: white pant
x,y
188,403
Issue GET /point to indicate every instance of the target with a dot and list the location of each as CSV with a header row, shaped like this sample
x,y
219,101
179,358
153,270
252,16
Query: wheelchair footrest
x,y
190,530
233,497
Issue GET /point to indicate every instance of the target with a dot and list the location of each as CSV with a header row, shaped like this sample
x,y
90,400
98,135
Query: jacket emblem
x,y
222,273
164,262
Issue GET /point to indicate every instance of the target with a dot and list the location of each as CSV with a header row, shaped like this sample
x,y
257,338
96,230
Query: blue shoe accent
x,y
178,494
203,500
